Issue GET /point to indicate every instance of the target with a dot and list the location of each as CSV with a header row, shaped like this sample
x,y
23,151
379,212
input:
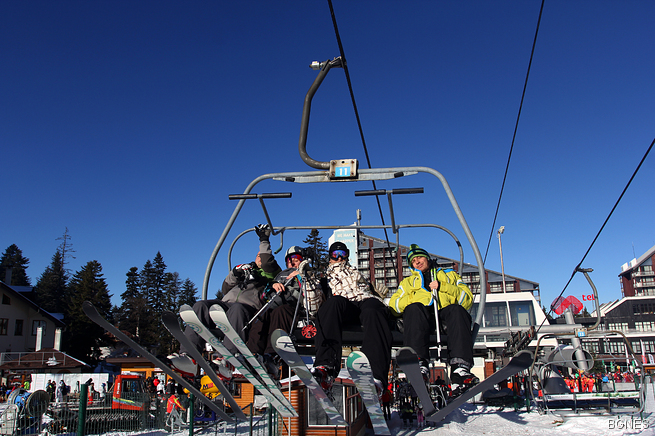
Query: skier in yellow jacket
x,y
414,301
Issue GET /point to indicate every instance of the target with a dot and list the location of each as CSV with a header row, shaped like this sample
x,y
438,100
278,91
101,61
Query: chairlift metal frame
x,y
342,171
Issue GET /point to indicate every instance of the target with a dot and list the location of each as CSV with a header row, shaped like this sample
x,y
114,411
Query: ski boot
x,y
183,364
324,376
461,380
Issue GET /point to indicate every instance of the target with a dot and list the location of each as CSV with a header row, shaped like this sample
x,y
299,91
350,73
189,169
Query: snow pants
x,y
372,315
455,321
238,314
259,338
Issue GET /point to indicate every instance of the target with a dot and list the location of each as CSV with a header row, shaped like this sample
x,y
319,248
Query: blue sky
x,y
130,123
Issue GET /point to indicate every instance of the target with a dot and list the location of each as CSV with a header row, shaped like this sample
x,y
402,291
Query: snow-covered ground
x,y
478,420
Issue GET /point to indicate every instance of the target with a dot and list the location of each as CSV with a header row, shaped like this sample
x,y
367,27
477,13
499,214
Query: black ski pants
x,y
455,321
372,315
259,339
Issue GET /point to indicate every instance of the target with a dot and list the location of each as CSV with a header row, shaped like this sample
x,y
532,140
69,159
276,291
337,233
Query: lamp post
x,y
502,267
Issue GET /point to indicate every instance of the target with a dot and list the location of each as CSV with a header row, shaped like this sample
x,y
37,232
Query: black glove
x,y
263,231
244,271
239,273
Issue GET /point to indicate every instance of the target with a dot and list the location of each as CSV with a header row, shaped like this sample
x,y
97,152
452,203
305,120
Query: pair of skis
x,y
94,316
266,386
170,320
408,362
359,369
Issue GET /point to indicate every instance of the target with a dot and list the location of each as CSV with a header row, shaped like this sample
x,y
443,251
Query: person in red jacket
x,y
172,403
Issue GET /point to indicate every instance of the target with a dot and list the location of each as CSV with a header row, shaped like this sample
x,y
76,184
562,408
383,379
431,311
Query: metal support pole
x,y
191,413
502,267
577,344
81,414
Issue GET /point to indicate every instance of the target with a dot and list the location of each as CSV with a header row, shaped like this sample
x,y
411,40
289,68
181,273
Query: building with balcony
x,y
637,276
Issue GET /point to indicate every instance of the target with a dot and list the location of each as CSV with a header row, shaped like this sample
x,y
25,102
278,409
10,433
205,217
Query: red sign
x,y
561,304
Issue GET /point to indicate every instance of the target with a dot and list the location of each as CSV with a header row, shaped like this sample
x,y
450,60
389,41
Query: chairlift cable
x,y
359,125
575,270
516,126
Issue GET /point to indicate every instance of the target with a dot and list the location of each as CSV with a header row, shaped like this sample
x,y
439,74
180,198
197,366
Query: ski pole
x,y
264,307
301,267
435,302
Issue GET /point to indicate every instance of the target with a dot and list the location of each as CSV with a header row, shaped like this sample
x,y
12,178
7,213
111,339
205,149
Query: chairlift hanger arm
x,y
304,123
585,271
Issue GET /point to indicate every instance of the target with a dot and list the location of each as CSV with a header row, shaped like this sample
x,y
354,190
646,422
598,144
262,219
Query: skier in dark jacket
x,y
242,290
280,313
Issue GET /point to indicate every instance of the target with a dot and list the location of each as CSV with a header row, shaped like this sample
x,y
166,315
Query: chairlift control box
x,y
343,169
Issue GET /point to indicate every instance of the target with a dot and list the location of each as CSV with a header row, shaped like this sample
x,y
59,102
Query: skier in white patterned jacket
x,y
351,302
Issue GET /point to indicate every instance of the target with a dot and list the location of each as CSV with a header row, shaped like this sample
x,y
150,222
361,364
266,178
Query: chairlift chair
x,y
346,171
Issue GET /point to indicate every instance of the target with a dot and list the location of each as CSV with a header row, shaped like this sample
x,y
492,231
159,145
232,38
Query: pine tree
x,y
52,287
133,305
187,293
172,290
152,281
317,249
83,337
13,258
66,249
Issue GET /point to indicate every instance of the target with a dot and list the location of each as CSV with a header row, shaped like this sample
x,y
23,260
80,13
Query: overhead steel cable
x,y
359,123
577,267
516,127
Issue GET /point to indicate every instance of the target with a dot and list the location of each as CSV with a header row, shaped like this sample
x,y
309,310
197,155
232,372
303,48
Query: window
x,y
623,326
649,347
236,390
636,347
614,347
645,326
521,313
495,315
591,346
4,325
18,328
6,299
36,324
315,413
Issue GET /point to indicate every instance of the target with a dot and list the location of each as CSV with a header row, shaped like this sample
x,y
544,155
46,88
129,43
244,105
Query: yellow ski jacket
x,y
452,290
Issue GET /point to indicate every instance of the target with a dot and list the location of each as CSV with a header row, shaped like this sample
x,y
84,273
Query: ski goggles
x,y
337,254
295,256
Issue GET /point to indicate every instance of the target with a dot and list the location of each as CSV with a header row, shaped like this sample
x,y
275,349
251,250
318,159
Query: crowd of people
x,y
580,382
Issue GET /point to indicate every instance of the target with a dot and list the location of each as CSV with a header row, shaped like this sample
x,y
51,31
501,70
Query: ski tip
x,y
89,308
277,334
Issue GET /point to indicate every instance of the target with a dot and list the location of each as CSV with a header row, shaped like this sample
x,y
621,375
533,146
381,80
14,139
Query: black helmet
x,y
339,246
